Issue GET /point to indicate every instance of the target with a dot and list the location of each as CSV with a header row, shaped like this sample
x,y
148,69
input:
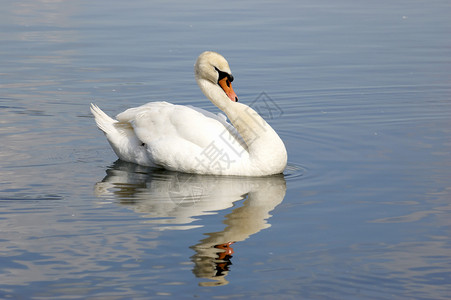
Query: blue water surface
x,y
360,93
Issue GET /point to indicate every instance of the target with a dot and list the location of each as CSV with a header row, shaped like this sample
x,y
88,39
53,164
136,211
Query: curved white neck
x,y
265,147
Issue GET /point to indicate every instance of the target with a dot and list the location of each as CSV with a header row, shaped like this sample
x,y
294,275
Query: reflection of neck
x,y
241,223
251,217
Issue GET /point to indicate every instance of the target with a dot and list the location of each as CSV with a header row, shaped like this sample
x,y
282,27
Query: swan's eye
x,y
222,75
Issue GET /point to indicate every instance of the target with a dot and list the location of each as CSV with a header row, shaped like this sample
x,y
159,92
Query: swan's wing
x,y
175,134
223,120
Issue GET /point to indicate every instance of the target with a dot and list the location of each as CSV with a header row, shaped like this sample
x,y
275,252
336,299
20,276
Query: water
x,y
359,92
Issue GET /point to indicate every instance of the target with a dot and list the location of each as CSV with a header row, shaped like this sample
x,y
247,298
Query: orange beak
x,y
226,85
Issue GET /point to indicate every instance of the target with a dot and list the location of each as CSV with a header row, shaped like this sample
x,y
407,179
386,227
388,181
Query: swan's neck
x,y
259,136
266,149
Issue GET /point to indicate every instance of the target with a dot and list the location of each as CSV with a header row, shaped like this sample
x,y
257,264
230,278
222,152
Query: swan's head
x,y
214,77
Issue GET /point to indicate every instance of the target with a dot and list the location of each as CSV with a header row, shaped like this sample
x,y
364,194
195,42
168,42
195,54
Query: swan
x,y
193,140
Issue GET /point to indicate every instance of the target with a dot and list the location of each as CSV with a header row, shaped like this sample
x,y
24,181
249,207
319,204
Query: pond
x,y
360,93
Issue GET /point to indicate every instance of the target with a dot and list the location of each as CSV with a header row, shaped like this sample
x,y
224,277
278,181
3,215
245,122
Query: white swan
x,y
192,140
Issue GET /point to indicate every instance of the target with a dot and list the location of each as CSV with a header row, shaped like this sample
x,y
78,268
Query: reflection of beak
x,y
227,249
226,85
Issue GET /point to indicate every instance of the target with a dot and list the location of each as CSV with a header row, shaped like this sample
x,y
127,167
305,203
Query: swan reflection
x,y
172,200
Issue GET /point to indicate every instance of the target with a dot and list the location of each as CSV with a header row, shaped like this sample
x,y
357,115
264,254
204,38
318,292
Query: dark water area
x,y
359,92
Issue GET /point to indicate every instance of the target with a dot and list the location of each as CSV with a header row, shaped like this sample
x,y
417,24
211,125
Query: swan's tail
x,y
103,121
121,137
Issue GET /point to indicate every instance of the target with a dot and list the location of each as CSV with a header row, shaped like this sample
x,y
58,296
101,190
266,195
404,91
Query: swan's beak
x,y
226,85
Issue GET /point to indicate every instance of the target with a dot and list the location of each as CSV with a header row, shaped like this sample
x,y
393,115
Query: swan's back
x,y
173,137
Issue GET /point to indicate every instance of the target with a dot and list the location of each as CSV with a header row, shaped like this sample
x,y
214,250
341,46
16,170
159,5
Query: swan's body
x,y
192,140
